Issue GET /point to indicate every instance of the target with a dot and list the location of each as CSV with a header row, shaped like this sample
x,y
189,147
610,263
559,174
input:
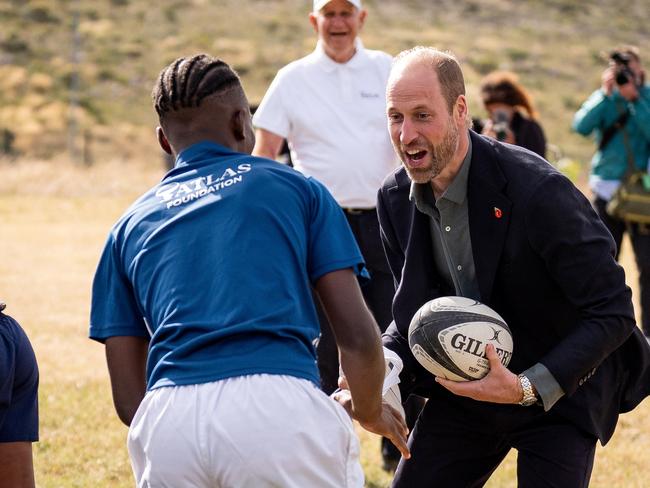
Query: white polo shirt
x,y
334,118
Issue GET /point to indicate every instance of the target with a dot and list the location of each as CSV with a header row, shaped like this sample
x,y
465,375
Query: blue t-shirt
x,y
215,264
18,384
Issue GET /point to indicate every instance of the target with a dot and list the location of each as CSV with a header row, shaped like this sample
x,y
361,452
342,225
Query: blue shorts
x,y
18,384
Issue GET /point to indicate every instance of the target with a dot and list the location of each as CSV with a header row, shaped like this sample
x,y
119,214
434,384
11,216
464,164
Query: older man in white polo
x,y
330,106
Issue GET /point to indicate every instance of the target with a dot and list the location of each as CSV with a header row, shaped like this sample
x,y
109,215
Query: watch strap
x,y
529,393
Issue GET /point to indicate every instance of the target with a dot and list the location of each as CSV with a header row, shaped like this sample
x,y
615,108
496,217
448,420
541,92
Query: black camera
x,y
623,73
501,124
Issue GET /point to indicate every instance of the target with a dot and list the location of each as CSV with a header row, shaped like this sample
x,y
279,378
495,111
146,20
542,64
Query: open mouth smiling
x,y
415,156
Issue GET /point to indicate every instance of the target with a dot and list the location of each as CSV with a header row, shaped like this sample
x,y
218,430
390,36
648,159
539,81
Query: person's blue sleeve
x,y
114,310
640,112
592,114
18,384
7,370
331,243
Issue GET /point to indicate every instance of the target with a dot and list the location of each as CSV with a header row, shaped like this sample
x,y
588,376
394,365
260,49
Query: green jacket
x,y
601,111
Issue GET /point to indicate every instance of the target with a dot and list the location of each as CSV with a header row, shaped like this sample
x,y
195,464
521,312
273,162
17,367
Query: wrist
x,y
528,391
367,414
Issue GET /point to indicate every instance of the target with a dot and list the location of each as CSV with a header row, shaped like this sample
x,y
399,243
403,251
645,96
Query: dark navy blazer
x,y
544,261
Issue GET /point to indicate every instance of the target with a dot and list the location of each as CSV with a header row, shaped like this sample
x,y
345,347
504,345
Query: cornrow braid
x,y
186,82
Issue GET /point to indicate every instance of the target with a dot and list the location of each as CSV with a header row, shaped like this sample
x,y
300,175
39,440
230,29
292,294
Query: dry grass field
x,y
54,218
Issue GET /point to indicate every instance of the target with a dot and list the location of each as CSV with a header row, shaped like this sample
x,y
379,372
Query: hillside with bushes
x,y
76,75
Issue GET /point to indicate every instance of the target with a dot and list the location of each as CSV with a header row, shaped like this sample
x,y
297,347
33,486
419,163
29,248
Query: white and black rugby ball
x,y
448,337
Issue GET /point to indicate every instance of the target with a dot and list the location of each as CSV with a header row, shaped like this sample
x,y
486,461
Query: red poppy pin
x,y
498,213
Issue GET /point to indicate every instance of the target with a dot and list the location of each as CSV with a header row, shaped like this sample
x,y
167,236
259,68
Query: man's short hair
x,y
186,82
446,66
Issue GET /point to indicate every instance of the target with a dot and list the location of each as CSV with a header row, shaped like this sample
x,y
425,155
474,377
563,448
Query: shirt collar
x,y
455,192
457,189
200,151
358,60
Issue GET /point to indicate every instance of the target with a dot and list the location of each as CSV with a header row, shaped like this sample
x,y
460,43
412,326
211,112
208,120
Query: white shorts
x,y
250,431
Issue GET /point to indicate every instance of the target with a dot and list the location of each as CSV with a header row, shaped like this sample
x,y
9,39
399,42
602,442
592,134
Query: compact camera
x,y
623,73
501,124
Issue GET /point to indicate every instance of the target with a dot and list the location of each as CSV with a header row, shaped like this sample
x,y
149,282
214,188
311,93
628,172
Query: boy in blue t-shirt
x,y
202,297
18,404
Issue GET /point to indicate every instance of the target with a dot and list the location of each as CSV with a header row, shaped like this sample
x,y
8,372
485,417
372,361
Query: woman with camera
x,y
618,115
512,116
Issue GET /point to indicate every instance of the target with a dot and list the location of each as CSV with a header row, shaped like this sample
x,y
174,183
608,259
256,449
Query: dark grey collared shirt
x,y
454,260
449,227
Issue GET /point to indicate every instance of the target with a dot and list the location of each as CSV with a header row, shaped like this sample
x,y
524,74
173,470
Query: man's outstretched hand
x,y
389,423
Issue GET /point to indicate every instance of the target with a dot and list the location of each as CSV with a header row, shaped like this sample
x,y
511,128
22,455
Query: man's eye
x,y
422,115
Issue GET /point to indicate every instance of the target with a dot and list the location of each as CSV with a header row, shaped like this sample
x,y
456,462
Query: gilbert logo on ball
x,y
448,337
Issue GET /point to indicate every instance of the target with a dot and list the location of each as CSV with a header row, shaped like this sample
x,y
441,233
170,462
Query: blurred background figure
x,y
18,404
512,117
618,115
330,106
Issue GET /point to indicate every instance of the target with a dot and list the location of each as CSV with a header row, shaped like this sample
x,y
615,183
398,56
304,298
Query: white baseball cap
x,y
319,4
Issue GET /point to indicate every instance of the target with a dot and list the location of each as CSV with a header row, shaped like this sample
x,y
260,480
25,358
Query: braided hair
x,y
186,82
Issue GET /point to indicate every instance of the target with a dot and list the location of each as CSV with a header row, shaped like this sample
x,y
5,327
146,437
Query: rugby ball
x,y
448,337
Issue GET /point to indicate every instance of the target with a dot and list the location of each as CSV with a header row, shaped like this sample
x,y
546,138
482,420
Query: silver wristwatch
x,y
529,394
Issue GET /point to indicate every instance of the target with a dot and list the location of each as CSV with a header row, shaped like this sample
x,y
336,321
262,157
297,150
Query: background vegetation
x,y
121,45
55,213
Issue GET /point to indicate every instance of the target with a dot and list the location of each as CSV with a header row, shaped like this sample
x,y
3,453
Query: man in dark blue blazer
x,y
467,215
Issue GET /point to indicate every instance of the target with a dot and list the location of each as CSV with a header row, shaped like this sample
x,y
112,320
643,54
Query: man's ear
x,y
238,125
362,18
162,140
461,108
313,21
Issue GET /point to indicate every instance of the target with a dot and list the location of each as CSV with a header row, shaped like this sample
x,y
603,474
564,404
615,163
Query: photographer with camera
x,y
512,116
618,114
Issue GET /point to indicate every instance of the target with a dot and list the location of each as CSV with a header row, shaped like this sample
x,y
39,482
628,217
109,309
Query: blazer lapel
x,y
413,233
415,239
419,251
489,213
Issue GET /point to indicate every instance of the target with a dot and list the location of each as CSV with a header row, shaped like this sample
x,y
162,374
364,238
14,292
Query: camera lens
x,y
622,78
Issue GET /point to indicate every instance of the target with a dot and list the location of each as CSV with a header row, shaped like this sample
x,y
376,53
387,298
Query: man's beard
x,y
440,155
